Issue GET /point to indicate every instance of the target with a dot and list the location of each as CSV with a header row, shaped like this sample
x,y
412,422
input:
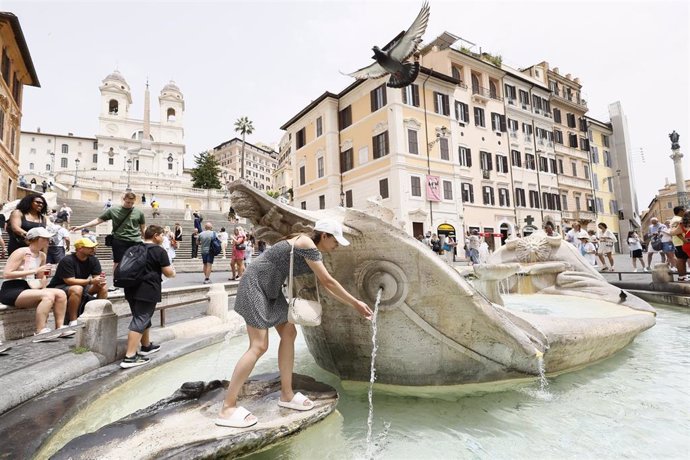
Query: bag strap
x,y
292,281
123,221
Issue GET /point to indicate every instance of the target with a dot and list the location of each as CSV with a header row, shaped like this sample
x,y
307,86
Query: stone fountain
x,y
435,327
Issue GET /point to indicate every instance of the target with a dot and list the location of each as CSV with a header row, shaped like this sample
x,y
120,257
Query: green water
x,y
633,405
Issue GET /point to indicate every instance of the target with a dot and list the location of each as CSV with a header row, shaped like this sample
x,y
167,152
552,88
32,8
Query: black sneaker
x,y
134,361
145,351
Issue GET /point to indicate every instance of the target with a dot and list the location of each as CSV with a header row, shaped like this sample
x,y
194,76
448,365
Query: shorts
x,y
668,246
680,254
11,289
207,258
142,312
637,254
604,249
119,248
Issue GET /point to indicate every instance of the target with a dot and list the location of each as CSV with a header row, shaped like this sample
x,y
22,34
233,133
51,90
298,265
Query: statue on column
x,y
674,140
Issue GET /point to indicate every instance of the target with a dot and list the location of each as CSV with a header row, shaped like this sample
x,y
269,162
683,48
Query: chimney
x,y
38,130
70,134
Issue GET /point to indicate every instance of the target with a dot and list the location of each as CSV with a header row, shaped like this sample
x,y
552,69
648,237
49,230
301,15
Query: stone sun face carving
x,y
533,248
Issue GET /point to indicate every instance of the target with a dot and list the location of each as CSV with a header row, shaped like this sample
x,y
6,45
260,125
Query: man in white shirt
x,y
59,243
654,233
573,235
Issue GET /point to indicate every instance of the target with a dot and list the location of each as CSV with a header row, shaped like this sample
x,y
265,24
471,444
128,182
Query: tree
x,y
243,126
206,173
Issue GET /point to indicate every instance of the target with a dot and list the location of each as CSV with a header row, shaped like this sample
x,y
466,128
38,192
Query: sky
x,y
267,60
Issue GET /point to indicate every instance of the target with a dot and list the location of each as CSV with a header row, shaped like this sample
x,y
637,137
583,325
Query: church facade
x,y
127,153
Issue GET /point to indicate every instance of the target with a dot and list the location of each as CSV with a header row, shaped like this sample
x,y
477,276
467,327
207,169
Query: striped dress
x,y
260,300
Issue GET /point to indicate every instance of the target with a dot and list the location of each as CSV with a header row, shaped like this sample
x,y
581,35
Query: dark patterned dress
x,y
260,300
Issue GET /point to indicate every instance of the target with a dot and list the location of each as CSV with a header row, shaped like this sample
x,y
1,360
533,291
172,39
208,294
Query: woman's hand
x,y
363,309
43,269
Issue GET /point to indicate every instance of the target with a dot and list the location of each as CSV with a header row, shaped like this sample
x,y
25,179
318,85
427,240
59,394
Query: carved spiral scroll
x,y
373,275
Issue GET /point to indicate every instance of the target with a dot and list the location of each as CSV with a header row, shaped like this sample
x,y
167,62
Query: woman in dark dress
x,y
261,303
31,212
178,235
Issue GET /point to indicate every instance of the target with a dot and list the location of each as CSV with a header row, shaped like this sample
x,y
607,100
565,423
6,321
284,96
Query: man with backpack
x,y
128,226
140,274
59,243
206,243
655,244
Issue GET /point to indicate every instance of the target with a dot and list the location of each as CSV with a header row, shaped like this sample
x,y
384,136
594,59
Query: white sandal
x,y
297,402
238,419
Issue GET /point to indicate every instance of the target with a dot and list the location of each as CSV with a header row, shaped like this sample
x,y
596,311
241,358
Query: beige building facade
x,y
471,144
260,163
16,71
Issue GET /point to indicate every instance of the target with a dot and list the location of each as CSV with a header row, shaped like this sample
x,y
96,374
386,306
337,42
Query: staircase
x,y
85,211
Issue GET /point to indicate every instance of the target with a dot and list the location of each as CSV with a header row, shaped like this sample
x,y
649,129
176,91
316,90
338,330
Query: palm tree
x,y
244,126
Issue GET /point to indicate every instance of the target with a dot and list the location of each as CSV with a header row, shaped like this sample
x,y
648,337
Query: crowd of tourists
x,y
142,256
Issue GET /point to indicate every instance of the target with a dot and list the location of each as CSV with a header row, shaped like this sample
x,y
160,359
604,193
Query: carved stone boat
x,y
435,326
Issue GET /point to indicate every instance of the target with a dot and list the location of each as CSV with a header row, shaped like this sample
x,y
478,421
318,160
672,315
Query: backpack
x,y
62,215
436,246
656,243
132,268
56,239
215,247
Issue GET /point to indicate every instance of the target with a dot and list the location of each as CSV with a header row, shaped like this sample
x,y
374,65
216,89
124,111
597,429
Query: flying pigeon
x,y
391,59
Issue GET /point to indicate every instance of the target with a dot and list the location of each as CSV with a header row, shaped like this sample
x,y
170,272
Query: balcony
x,y
571,100
480,94
585,215
578,182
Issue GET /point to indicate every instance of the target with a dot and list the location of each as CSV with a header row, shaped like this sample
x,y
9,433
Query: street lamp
x,y
76,171
129,173
440,134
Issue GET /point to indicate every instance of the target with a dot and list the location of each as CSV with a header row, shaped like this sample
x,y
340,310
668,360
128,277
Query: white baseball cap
x,y
38,232
332,227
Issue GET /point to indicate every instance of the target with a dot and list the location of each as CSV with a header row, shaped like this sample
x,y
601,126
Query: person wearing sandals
x,y
606,241
25,282
261,303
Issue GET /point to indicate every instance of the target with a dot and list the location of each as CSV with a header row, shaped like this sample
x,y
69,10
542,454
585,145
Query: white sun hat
x,y
38,232
332,227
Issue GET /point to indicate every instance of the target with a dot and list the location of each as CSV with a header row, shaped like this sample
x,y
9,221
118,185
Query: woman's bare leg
x,y
258,344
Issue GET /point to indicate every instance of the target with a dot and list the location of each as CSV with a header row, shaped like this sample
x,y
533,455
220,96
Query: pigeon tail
x,y
405,77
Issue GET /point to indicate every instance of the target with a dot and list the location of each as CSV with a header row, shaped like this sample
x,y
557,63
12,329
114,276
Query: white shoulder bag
x,y
301,311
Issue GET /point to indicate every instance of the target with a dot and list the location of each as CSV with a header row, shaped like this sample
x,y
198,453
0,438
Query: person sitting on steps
x,y
25,284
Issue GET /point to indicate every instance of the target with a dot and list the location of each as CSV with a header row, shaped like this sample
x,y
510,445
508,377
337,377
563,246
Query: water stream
x,y
632,405
372,376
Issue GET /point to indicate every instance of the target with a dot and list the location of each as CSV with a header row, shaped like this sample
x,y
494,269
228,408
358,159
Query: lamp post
x,y
441,133
342,198
76,171
129,174
677,158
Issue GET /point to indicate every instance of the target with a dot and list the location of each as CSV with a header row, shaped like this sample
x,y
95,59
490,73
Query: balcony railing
x,y
585,215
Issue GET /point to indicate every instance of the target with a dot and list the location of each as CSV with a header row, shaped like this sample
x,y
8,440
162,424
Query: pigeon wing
x,y
407,45
373,71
